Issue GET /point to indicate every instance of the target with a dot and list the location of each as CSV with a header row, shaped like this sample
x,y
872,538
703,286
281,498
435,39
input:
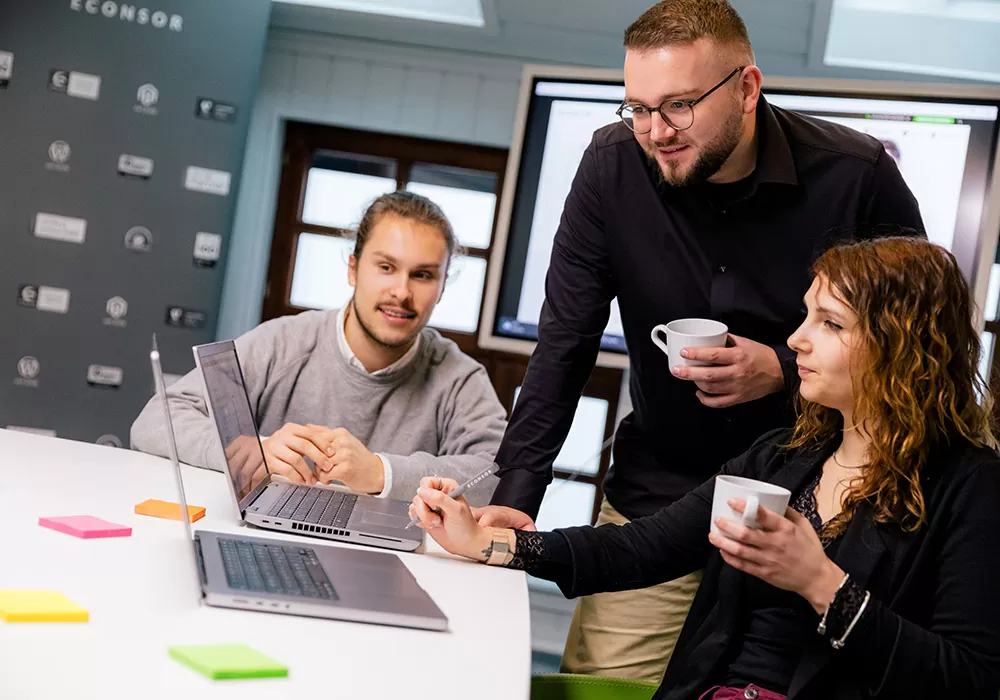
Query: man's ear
x,y
352,270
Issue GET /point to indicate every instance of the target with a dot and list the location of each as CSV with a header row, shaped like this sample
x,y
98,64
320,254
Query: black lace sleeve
x,y
544,555
843,608
529,550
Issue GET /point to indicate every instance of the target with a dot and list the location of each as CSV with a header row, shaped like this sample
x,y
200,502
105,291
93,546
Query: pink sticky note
x,y
85,526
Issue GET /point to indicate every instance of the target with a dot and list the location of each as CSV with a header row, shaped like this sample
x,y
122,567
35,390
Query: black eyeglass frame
x,y
659,109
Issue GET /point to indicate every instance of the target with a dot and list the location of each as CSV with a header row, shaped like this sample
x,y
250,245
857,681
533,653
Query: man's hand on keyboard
x,y
287,449
352,463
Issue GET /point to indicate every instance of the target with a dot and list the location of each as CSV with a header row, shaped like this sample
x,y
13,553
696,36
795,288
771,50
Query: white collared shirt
x,y
352,359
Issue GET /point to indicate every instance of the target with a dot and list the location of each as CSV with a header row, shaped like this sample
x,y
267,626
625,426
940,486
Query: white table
x,y
140,593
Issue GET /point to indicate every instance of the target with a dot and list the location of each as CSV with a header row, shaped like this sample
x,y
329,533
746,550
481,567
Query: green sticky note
x,y
226,661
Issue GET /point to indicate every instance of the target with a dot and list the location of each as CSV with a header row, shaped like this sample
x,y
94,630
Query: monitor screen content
x,y
943,148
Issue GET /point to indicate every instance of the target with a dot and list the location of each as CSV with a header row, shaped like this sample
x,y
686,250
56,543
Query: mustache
x,y
405,307
667,144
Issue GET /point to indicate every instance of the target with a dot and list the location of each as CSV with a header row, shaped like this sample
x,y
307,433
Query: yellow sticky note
x,y
39,606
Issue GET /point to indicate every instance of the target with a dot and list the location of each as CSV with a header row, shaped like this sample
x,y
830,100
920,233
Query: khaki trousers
x,y
629,634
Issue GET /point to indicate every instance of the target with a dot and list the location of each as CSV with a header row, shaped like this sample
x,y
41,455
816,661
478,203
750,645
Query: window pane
x,y
467,197
340,186
566,503
986,358
992,294
581,453
458,309
319,279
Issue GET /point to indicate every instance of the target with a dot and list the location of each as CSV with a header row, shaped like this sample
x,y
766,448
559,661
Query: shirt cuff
x,y
387,472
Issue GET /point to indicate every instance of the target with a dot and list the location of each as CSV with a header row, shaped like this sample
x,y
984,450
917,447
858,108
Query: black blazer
x,y
931,629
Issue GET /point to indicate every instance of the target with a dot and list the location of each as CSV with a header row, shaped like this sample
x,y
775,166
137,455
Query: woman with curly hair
x,y
881,578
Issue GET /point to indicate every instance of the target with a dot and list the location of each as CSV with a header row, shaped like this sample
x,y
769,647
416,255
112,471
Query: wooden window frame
x,y
302,141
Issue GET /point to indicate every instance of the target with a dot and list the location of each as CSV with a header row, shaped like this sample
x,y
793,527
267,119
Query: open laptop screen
x,y
234,419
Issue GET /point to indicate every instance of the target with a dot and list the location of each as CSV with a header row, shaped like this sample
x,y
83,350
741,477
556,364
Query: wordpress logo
x,y
59,152
29,367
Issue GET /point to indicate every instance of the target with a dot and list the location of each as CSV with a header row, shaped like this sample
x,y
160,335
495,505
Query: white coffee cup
x,y
689,333
755,493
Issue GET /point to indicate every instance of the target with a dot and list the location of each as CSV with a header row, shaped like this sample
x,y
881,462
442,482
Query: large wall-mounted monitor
x,y
943,138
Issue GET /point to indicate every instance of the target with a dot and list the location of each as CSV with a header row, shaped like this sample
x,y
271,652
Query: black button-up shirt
x,y
738,253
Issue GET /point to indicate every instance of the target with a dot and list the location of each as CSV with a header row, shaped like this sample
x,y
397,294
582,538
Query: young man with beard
x,y
367,395
704,201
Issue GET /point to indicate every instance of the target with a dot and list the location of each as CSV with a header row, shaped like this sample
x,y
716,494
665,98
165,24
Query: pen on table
x,y
463,488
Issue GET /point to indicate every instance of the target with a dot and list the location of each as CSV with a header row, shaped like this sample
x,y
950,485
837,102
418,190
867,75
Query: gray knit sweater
x,y
436,415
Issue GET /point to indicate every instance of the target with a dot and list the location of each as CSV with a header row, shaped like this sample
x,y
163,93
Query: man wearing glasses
x,y
705,201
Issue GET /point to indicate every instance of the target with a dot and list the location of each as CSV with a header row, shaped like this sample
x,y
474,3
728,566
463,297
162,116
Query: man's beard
x,y
371,334
712,157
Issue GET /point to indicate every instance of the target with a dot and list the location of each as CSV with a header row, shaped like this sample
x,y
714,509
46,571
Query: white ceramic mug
x,y
755,493
689,333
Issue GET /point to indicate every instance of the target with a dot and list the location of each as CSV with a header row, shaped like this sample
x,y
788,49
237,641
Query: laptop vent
x,y
320,529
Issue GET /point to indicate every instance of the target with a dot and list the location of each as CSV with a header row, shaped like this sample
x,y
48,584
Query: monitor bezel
x,y
986,241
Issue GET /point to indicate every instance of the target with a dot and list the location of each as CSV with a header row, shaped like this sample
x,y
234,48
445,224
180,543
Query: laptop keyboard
x,y
274,568
315,506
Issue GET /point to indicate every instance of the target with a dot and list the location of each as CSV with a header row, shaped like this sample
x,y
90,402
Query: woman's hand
x,y
502,516
785,552
450,521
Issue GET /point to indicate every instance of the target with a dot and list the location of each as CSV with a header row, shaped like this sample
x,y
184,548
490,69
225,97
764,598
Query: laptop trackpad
x,y
383,519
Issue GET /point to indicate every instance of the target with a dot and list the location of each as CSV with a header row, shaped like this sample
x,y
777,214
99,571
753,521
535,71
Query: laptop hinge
x,y
202,573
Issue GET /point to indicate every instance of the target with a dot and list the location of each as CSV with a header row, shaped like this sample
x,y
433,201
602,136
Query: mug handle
x,y
654,335
750,511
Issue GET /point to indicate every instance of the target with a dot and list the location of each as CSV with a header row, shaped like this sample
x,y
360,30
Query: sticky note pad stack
x,y
85,526
39,606
165,509
228,661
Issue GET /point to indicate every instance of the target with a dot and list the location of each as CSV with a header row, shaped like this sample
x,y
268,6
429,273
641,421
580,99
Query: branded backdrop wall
x,y
122,130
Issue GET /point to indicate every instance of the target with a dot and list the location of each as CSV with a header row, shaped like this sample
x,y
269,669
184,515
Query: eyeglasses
x,y
678,114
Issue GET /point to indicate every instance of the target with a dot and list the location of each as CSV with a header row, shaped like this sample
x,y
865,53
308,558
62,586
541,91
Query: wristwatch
x,y
501,549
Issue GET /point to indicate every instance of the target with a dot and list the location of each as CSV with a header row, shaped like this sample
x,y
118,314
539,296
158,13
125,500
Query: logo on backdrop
x,y
146,99
109,441
207,108
59,153
104,376
54,299
207,180
28,369
207,247
6,68
116,310
179,317
135,166
75,84
57,227
139,239
27,295
129,14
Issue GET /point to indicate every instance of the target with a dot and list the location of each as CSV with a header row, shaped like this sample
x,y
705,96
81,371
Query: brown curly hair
x,y
916,381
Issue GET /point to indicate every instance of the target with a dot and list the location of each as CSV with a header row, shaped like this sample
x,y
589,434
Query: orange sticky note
x,y
165,509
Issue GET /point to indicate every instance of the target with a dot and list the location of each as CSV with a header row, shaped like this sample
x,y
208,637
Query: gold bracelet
x,y
501,551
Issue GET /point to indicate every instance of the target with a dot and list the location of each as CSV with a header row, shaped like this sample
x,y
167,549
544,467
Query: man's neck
x,y
373,355
743,159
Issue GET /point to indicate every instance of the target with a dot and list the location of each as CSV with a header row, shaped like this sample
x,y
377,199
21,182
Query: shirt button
x,y
722,268
750,693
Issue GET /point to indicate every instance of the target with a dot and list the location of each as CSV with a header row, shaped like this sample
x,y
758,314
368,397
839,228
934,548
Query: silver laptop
x,y
275,504
257,573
